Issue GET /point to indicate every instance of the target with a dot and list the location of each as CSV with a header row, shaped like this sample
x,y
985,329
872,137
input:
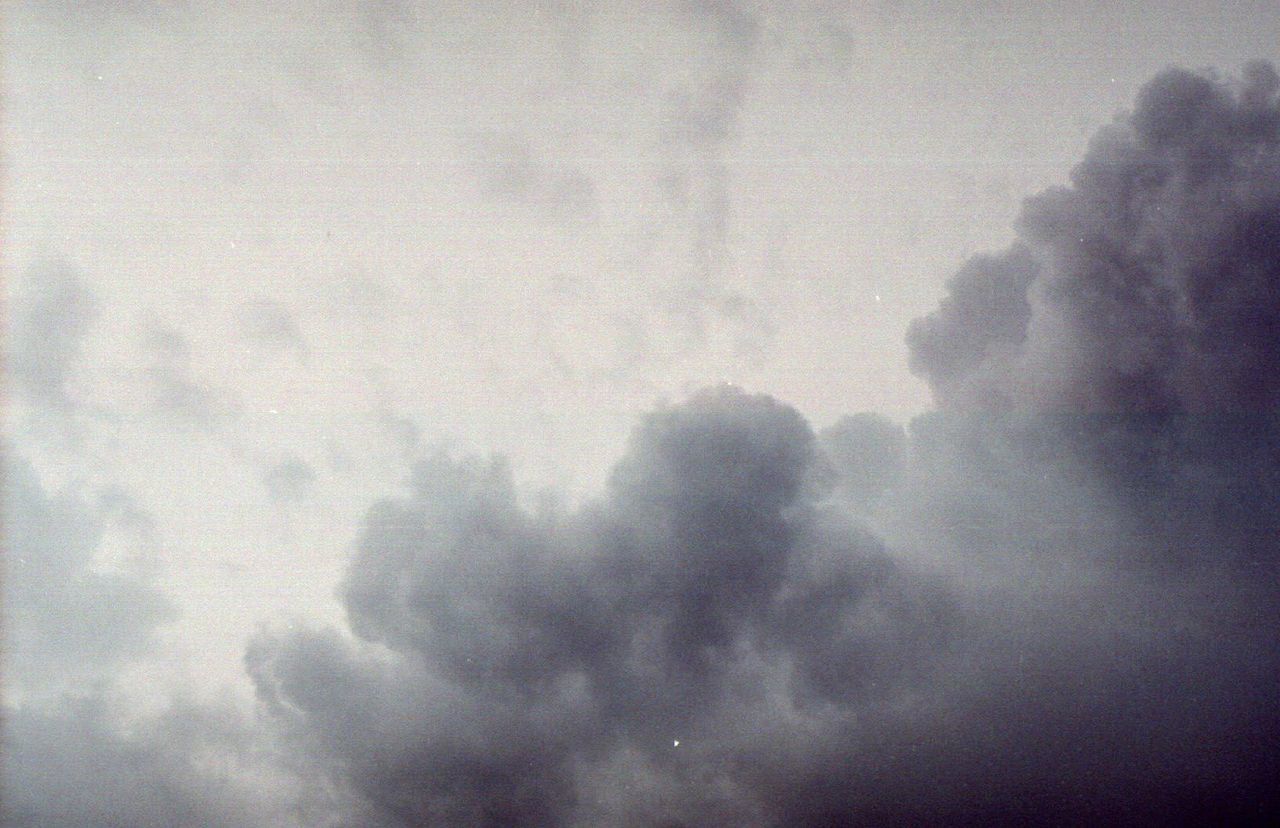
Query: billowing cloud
x,y
717,641
1148,284
1060,620
980,325
1129,335
1049,601
526,658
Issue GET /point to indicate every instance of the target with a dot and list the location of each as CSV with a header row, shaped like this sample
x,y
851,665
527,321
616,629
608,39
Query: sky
x,y
681,413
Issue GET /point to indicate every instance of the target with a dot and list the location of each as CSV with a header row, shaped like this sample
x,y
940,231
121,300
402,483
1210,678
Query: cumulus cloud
x,y
719,641
1132,327
1050,601
980,324
526,659
1148,284
1060,617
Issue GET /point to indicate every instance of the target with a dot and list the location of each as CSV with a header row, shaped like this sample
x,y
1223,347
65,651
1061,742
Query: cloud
x,y
1060,619
867,456
270,331
509,169
980,325
718,640
1148,284
67,619
1128,337
78,752
524,655
1107,440
1050,601
170,387
76,763
52,311
289,480
701,115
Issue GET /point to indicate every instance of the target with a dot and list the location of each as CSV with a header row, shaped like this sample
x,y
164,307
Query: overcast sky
x,y
357,410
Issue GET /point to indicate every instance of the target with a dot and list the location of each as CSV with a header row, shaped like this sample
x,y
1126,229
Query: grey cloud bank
x,y
1050,600
536,661
720,640
1148,284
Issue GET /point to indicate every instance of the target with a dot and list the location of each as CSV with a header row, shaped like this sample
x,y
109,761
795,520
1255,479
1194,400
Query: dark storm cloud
x,y
1105,461
1073,619
867,455
1138,320
532,653
1149,284
1067,612
540,668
